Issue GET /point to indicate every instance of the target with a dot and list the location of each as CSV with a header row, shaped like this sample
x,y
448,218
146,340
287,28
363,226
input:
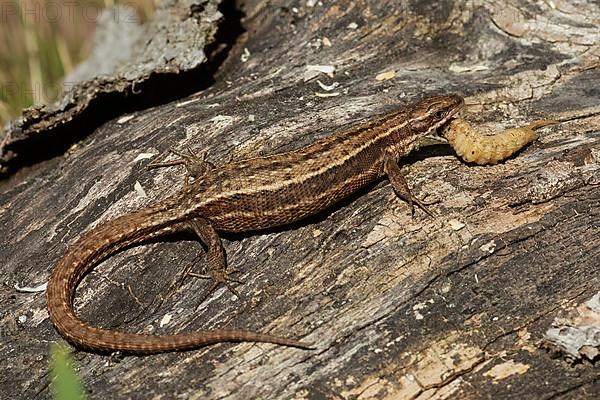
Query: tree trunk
x,y
492,298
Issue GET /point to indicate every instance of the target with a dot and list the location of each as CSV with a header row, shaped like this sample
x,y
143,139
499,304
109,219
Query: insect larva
x,y
473,146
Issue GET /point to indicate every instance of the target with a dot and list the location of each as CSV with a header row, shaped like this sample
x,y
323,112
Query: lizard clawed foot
x,y
219,276
423,206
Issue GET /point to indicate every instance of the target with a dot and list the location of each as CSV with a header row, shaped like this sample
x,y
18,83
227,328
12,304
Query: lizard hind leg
x,y
217,265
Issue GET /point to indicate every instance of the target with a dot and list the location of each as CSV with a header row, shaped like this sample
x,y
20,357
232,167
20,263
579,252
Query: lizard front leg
x,y
394,175
217,265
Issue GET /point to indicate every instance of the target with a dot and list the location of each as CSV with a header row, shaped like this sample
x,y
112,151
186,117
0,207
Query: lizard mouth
x,y
440,131
437,135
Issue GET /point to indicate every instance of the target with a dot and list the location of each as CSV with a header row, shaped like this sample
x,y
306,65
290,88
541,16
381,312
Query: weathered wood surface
x,y
131,67
399,306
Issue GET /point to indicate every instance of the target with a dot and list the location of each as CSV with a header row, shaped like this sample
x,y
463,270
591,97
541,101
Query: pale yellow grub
x,y
476,147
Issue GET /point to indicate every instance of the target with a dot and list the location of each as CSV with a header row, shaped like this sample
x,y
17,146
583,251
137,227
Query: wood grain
x,y
455,307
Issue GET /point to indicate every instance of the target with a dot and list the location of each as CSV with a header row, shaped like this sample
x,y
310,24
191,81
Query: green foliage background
x,y
43,40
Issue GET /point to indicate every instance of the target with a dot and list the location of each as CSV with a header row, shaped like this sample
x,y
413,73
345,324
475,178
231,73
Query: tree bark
x,y
474,303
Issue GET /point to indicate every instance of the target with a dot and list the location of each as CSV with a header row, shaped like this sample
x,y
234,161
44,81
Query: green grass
x,y
42,43
64,382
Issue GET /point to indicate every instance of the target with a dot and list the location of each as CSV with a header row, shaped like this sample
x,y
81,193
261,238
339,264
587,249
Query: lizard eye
x,y
439,114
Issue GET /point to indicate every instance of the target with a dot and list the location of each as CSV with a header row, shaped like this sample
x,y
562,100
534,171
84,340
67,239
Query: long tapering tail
x,y
100,243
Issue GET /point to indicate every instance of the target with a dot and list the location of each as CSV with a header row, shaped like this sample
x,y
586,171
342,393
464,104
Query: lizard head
x,y
421,121
431,113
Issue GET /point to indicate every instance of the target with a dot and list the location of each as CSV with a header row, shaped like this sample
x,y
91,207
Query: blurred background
x,y
41,41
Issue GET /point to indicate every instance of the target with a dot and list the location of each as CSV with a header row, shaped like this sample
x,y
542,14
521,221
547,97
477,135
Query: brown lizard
x,y
246,195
